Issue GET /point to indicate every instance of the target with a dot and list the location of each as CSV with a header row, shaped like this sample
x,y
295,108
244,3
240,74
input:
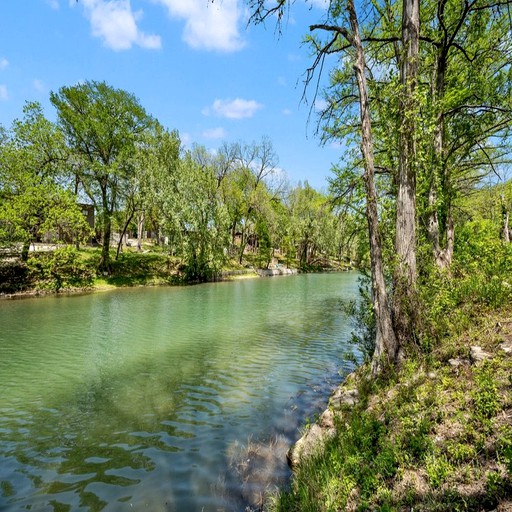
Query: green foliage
x,y
438,470
459,452
201,220
34,203
13,275
60,269
480,277
363,320
360,457
486,396
103,127
504,446
314,227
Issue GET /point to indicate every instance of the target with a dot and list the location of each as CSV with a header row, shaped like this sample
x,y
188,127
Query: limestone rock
x,y
478,355
306,446
506,346
341,397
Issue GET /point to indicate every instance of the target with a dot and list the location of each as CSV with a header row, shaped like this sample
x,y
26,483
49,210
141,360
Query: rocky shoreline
x,y
345,395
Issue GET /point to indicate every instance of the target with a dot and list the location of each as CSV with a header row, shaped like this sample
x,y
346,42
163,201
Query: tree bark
x,y
442,255
104,264
140,227
505,230
386,343
123,233
405,239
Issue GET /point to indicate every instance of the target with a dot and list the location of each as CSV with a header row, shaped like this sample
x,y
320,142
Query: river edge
x,y
440,430
225,276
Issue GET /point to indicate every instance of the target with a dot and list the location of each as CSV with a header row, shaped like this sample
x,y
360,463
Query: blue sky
x,y
193,65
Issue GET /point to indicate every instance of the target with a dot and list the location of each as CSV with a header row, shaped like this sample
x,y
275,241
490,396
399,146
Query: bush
x,y
62,268
363,320
486,396
14,275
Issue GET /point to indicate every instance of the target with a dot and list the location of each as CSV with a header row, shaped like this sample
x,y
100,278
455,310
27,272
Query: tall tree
x,y
103,126
34,200
404,304
256,165
343,36
201,216
466,54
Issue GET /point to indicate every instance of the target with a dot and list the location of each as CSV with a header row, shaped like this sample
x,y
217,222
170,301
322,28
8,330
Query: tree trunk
x,y
450,237
442,255
243,243
140,227
104,264
125,228
405,240
505,230
386,343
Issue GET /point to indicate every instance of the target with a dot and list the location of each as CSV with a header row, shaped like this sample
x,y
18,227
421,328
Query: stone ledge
x,y
324,428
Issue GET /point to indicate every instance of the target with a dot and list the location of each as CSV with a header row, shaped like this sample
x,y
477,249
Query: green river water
x,y
164,399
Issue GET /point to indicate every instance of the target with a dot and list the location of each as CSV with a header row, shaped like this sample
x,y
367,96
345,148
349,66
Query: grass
x,y
431,437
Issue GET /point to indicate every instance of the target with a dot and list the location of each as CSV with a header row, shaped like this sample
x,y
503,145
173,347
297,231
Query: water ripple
x,y
158,398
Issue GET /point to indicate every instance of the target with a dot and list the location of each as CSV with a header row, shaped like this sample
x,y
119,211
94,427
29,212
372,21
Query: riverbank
x,y
68,271
436,435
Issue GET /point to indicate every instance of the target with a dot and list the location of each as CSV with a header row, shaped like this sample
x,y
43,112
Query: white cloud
x,y
233,109
281,81
320,105
116,23
4,95
208,25
3,63
38,85
215,133
54,4
287,112
186,139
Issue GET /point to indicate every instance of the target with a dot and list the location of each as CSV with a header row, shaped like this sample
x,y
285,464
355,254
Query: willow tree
x,y
103,126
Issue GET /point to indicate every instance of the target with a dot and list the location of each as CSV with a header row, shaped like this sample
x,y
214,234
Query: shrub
x,y
14,275
60,269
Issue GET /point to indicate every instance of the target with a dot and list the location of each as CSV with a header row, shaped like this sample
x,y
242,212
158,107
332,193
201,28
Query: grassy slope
x,y
68,270
436,435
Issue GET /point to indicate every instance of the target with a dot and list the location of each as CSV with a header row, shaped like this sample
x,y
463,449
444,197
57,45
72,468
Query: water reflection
x,y
165,399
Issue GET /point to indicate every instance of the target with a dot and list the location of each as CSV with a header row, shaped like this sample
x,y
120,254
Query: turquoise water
x,y
176,399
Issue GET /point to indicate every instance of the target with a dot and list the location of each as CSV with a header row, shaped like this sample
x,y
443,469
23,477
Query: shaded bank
x,y
436,435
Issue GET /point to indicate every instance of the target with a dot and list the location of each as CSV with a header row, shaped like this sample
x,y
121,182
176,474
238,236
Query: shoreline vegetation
x,y
67,271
